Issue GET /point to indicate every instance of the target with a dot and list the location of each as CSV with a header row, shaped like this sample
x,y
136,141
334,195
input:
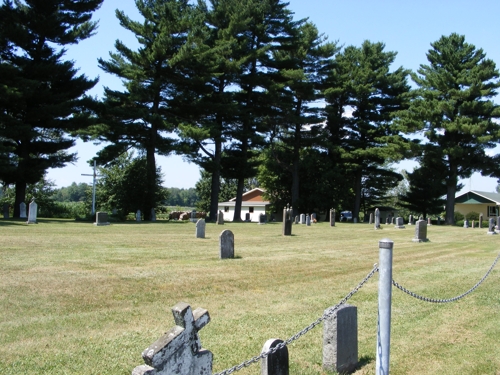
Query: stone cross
x,y
287,221
22,210
276,363
332,217
420,231
101,218
226,244
179,351
33,210
377,218
138,215
200,228
220,218
491,226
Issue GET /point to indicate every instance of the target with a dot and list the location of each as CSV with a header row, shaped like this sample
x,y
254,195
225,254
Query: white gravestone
x,y
33,211
22,210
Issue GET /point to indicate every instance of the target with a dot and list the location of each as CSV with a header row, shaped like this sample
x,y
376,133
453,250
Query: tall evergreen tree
x,y
42,96
454,110
144,115
363,95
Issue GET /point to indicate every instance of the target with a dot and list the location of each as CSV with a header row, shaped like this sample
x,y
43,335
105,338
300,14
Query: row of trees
x,y
244,90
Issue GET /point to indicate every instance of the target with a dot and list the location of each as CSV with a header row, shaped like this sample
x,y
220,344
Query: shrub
x,y
472,216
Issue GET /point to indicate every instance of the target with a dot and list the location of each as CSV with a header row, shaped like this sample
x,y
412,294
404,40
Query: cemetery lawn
x,y
81,299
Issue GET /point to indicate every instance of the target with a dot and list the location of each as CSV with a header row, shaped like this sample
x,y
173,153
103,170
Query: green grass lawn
x,y
81,299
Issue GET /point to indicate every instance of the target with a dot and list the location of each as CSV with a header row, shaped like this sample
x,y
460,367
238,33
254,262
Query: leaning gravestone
x,y
340,340
179,351
200,228
491,226
220,218
332,217
22,210
302,218
275,363
5,210
308,220
377,218
399,223
101,218
33,210
420,231
226,244
138,215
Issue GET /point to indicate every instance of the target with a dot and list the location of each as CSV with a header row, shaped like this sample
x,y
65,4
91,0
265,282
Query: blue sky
x,y
406,27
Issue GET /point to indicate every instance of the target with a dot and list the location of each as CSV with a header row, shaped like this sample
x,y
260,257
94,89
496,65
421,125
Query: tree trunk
x,y
239,200
151,183
451,189
215,186
20,197
357,195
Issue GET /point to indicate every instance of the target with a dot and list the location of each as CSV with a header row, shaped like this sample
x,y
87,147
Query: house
x,y
478,201
252,205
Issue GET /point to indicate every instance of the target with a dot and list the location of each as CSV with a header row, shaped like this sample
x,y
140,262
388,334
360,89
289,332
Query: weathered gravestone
x,y
101,218
138,216
420,231
491,226
179,350
387,220
371,219
200,228
32,212
466,223
393,220
226,244
262,219
193,218
247,217
153,215
220,218
399,223
410,220
297,219
275,363
498,223
429,221
22,210
332,217
377,218
340,340
473,224
5,210
480,220
302,218
287,221
308,220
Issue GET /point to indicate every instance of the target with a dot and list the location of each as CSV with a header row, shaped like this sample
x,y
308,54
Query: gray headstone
x,y
377,218
332,217
308,220
491,226
387,220
439,220
340,340
410,220
498,222
277,362
480,220
302,218
138,215
101,218
153,215
420,231
200,228
297,219
371,219
393,220
5,210
247,217
226,244
32,212
22,210
429,221
262,219
399,223
220,218
287,221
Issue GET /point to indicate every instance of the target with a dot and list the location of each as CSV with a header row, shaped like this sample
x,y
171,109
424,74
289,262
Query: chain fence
x,y
281,345
435,300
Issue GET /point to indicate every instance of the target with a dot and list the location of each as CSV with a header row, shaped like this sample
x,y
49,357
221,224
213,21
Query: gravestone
x,y
420,231
138,216
302,218
387,220
226,244
332,217
5,210
313,217
340,340
22,210
466,223
247,217
429,222
262,219
153,215
480,220
101,218
491,226
308,220
179,350
275,363
287,221
473,223
297,219
410,220
200,228
377,218
399,223
439,220
193,218
32,212
220,218
393,220
498,223
371,219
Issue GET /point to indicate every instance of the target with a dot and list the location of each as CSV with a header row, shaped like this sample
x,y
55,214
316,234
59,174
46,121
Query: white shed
x,y
253,204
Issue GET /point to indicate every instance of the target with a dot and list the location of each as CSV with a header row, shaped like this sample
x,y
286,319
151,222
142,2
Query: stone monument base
x,y
492,233
419,240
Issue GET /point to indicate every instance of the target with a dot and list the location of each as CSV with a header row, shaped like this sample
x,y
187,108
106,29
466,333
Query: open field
x,y
80,299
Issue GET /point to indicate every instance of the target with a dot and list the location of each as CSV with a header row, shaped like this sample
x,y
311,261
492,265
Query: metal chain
x,y
281,345
426,299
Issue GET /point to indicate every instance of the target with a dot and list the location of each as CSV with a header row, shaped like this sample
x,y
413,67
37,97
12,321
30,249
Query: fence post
x,y
384,306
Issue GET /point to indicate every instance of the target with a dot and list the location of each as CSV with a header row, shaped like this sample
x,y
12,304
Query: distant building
x,y
253,204
478,201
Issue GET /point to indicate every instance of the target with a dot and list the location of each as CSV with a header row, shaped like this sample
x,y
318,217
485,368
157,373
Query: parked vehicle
x,y
346,216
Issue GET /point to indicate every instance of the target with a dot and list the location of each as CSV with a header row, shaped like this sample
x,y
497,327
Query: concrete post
x,y
384,306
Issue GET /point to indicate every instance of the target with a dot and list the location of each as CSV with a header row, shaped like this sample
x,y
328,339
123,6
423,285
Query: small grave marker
x,y
287,221
332,217
200,228
220,218
153,215
226,244
491,226
377,218
308,220
22,210
302,218
399,223
101,218
420,231
33,210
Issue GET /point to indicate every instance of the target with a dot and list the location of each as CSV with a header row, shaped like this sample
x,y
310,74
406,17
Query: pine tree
x,y
453,108
144,115
42,96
